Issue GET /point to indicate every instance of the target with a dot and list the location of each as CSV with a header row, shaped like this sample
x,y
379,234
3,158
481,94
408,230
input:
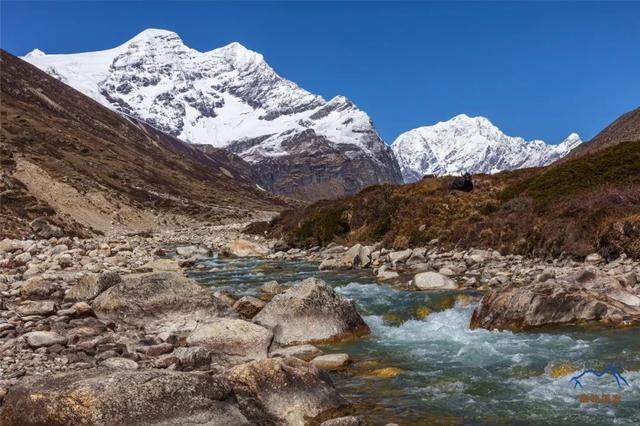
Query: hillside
x,y
85,167
582,205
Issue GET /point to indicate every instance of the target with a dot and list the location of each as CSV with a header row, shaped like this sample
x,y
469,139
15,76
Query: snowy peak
x,y
238,55
471,144
35,53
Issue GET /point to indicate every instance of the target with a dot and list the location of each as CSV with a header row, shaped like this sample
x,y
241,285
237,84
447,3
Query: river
x,y
438,371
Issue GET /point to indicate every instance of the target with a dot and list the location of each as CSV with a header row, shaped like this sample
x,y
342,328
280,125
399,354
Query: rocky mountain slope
x,y
471,144
575,207
625,128
70,164
301,144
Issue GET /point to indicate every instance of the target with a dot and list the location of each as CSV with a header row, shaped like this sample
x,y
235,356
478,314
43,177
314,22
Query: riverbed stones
x,y
346,421
107,396
118,363
331,361
157,302
162,265
303,352
272,287
36,307
38,339
286,388
311,312
234,337
191,357
192,251
433,281
581,297
90,286
248,306
245,248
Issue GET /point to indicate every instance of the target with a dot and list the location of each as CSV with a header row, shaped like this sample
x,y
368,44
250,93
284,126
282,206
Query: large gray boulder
x,y
433,281
587,296
90,286
234,337
245,248
288,389
123,397
157,302
358,256
311,312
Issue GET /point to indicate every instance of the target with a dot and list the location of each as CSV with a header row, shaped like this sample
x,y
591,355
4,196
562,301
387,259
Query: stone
x,y
358,256
385,274
244,248
248,306
593,258
192,357
303,352
311,312
108,396
8,245
38,288
159,301
38,339
193,251
156,350
118,363
331,361
33,307
162,265
399,256
286,388
90,286
433,281
44,229
234,337
586,296
346,421
272,287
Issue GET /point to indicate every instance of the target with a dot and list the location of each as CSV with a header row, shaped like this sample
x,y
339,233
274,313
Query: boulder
x,y
107,396
33,307
234,337
38,288
433,281
90,286
288,389
244,248
44,229
331,361
8,246
311,312
346,421
118,363
399,256
358,256
272,287
159,301
385,274
303,352
248,306
162,265
192,357
37,339
587,296
193,251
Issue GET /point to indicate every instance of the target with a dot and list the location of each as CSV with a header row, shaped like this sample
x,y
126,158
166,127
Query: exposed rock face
x,y
302,145
121,397
286,388
584,297
311,312
233,337
161,301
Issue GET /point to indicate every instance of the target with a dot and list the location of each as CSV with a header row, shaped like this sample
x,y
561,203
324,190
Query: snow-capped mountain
x,y
471,144
303,145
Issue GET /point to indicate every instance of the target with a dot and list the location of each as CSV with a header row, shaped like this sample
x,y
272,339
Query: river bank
x,y
52,322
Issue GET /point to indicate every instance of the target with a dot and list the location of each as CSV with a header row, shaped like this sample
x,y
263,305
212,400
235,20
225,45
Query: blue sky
x,y
537,70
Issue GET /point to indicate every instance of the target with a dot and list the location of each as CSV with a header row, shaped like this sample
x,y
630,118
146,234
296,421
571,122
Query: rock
x,y
37,339
32,307
286,388
385,274
248,306
399,256
311,312
107,396
159,301
593,258
233,337
192,357
357,256
346,421
156,350
386,373
22,258
162,265
193,251
462,183
225,297
77,309
118,363
44,229
8,246
38,288
272,287
583,297
331,361
90,286
433,281
303,352
244,248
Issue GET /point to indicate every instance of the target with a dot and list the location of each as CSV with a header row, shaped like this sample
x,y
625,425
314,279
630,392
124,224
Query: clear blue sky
x,y
537,70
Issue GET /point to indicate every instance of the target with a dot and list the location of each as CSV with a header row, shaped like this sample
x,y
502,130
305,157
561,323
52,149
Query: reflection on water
x,y
440,371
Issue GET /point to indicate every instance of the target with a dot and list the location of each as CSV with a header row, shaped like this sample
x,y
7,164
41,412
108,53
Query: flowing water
x,y
441,372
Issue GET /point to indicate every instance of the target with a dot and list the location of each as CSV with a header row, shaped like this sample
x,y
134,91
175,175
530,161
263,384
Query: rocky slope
x,y
70,164
471,144
625,128
302,145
